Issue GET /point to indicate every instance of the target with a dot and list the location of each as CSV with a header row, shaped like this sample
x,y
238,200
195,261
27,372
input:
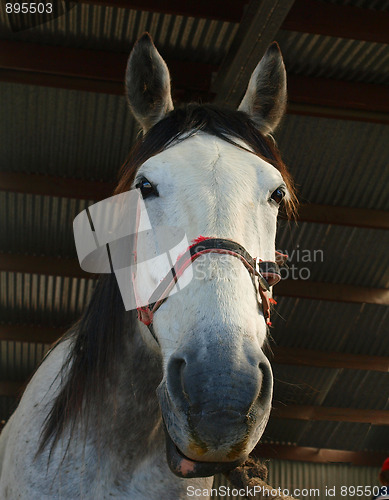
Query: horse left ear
x,y
147,83
265,98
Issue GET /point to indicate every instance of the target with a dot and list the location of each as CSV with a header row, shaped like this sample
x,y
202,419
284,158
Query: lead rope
x,y
253,473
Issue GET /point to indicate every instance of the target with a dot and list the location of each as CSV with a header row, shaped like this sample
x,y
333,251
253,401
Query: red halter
x,y
264,274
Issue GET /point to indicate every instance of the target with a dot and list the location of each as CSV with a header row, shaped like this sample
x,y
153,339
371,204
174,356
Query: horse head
x,y
219,177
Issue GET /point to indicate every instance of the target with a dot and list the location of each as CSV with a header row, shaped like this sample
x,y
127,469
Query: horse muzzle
x,y
183,466
213,415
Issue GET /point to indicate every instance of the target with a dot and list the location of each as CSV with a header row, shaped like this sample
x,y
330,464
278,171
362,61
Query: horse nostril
x,y
267,381
175,377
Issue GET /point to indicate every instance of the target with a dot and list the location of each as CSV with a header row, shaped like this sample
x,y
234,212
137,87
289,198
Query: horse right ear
x,y
147,83
265,98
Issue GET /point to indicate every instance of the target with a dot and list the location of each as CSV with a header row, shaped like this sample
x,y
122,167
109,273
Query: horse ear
x,y
147,83
265,98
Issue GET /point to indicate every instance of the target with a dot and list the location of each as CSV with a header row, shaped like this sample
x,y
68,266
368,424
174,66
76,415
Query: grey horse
x,y
123,409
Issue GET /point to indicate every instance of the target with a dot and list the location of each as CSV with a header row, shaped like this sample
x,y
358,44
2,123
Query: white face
x,y
211,188
215,395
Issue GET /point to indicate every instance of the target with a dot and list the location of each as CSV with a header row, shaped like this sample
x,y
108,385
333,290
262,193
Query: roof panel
x,y
329,387
7,407
337,162
318,434
338,58
353,389
331,326
19,359
65,133
304,385
377,438
83,135
335,254
379,5
42,300
109,28
38,225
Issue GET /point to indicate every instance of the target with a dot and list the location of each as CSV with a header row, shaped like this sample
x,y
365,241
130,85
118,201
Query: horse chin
x,y
183,466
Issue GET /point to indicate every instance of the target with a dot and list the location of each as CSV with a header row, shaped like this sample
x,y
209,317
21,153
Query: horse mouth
x,y
185,467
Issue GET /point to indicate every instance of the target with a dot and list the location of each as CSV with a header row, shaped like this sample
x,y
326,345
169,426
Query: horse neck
x,y
131,419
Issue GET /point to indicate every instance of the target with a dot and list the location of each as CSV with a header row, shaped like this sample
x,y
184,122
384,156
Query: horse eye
x,y
146,188
278,195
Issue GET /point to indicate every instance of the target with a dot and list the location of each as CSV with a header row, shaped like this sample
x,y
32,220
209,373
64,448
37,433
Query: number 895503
x,y
28,8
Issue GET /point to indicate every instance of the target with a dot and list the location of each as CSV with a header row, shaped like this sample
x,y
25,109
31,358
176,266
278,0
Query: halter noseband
x,y
263,273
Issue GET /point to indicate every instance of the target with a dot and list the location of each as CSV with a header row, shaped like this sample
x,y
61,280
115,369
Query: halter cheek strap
x,y
264,274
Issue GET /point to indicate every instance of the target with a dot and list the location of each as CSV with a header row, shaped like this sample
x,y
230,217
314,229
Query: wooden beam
x,y
26,77
303,289
313,413
51,266
282,355
47,185
306,289
11,389
37,334
62,61
341,21
306,16
220,10
310,357
103,71
335,94
296,412
83,69
319,455
258,28
343,216
335,113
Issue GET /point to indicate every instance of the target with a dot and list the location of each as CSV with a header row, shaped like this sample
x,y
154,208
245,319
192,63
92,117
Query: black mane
x,y
227,124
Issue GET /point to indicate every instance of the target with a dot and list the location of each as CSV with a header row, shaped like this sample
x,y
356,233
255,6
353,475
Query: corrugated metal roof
x,y
292,475
380,5
377,438
38,225
305,385
66,133
331,326
110,28
42,225
338,58
319,434
19,359
337,435
353,389
283,431
344,388
336,254
331,388
305,475
7,406
42,300
87,135
337,162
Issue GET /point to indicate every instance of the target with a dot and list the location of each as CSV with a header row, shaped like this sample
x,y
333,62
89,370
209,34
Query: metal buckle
x,y
261,280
